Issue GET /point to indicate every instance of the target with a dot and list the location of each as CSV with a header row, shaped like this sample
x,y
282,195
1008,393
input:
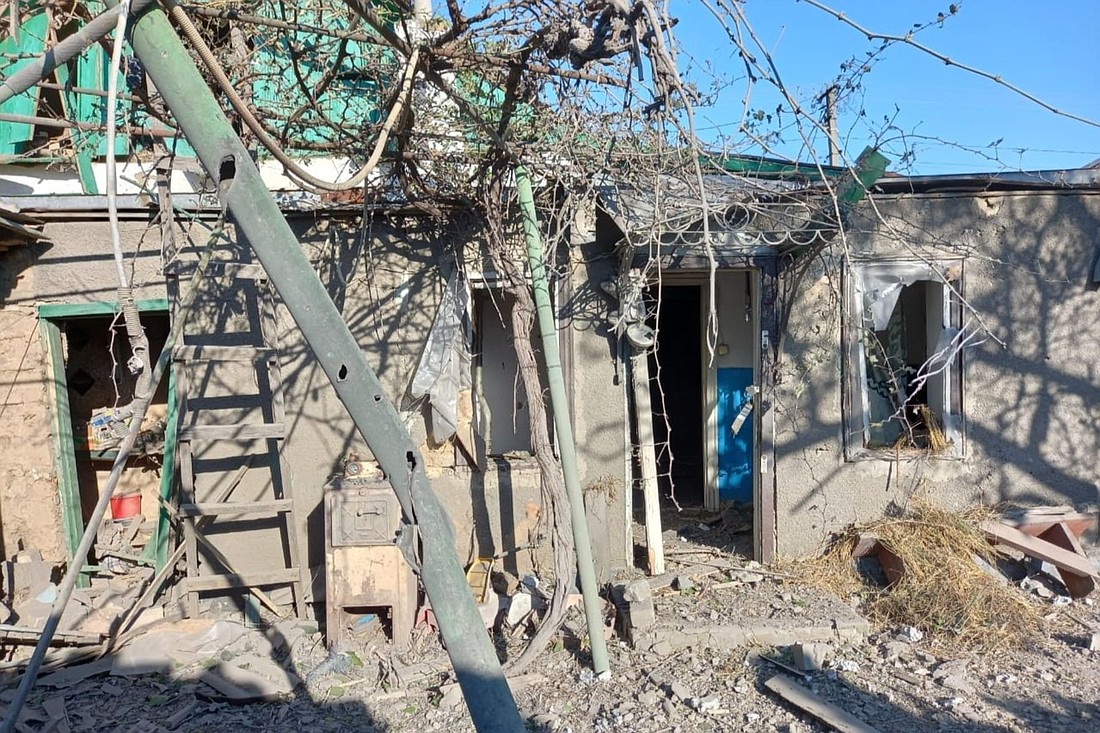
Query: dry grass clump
x,y
942,592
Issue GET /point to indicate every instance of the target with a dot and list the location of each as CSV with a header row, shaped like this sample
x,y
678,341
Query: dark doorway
x,y
676,385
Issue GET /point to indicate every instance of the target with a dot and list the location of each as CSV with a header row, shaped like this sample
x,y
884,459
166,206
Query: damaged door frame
x,y
692,269
64,443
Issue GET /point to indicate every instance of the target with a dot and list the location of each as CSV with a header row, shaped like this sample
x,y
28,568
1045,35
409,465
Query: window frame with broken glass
x,y
912,405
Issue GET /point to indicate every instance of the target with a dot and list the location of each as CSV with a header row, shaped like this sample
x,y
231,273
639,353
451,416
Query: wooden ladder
x,y
233,477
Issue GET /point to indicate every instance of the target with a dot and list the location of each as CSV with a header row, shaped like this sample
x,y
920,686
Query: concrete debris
x,y
519,608
679,690
1094,642
25,573
772,632
683,583
959,682
72,675
810,657
244,684
745,576
805,700
1037,587
452,691
896,649
911,634
845,665
178,644
708,704
57,714
641,613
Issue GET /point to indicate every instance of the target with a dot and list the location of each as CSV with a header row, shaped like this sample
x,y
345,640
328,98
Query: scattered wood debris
x,y
1056,545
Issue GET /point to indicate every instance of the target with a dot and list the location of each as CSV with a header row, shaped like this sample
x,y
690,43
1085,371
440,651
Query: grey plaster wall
x,y
1031,389
598,395
79,265
386,276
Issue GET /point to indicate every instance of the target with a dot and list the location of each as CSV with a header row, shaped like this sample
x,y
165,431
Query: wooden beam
x,y
68,487
1063,559
648,457
810,703
1060,535
245,431
101,308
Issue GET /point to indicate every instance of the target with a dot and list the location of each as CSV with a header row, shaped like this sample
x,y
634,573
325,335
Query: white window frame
x,y
872,290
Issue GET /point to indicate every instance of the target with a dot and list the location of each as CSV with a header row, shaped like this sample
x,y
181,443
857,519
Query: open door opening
x,y
695,422
676,389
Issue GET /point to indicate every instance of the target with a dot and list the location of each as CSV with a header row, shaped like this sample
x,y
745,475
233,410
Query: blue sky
x,y
1046,48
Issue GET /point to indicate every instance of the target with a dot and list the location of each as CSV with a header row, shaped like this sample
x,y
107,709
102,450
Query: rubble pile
x,y
718,643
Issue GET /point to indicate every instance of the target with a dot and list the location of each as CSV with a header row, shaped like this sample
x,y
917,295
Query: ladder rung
x,y
217,269
254,431
243,580
205,352
207,508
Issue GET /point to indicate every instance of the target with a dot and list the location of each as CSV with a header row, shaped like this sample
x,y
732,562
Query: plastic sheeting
x,y
879,287
444,368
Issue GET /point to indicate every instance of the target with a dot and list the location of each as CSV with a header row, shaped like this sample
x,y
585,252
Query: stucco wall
x,y
1031,389
386,277
30,515
598,396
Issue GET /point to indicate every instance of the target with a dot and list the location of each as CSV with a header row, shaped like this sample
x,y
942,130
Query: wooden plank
x,y
190,533
218,269
287,576
101,308
810,703
1039,549
246,431
282,479
665,580
709,379
647,453
766,325
68,487
240,508
27,635
1060,535
168,476
206,352
77,136
1036,524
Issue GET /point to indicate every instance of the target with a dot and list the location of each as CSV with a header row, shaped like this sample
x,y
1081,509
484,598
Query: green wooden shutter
x,y
32,41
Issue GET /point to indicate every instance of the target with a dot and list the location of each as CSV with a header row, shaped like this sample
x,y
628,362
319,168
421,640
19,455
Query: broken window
x,y
904,359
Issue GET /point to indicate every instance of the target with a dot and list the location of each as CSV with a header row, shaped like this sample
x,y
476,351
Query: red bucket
x,y
125,507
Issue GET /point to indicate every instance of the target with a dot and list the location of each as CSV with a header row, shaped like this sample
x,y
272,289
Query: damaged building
x,y
758,355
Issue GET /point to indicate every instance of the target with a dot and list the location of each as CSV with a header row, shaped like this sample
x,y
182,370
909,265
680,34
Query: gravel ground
x,y
888,680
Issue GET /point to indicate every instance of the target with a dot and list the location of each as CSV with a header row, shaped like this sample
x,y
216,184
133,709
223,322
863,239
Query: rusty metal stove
x,y
365,570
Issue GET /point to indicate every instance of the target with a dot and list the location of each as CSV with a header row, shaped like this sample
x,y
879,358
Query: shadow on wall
x,y
13,263
1031,405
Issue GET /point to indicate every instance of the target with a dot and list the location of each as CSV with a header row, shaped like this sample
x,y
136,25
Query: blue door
x,y
735,449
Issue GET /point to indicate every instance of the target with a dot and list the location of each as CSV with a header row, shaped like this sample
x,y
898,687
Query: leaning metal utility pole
x,y
257,216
